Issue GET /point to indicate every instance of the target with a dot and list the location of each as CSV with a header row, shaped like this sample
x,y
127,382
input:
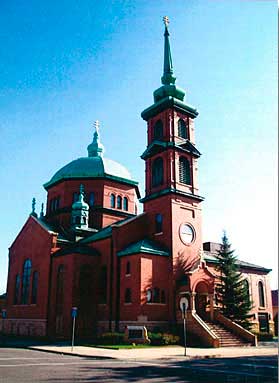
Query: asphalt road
x,y
20,365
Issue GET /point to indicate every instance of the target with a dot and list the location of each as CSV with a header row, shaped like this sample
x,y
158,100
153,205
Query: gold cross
x,y
166,20
97,125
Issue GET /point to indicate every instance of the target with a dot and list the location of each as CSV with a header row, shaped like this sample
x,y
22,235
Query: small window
x,y
261,295
125,203
157,172
34,288
75,197
182,129
112,200
159,223
163,296
91,199
119,202
16,291
158,130
184,171
156,295
128,296
128,268
149,296
78,220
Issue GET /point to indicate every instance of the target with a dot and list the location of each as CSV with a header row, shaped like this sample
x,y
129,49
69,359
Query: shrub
x,y
160,339
111,338
264,336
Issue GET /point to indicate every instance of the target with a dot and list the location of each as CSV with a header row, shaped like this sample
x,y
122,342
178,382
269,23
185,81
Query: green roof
x,y
144,246
211,258
91,167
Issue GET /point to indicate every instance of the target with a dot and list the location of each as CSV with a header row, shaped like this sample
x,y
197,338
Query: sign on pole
x,y
74,315
4,313
183,303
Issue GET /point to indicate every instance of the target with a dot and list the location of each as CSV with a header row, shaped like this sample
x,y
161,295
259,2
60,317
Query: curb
x,y
68,353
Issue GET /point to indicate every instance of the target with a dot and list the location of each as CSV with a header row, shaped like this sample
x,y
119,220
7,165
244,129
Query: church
x,y
92,250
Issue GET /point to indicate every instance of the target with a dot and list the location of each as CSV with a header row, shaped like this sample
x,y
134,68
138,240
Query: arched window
x,y
34,287
156,295
85,289
119,202
128,295
128,268
159,223
157,172
112,200
125,203
182,129
16,291
149,296
158,130
27,267
163,296
246,288
60,289
184,171
261,294
91,199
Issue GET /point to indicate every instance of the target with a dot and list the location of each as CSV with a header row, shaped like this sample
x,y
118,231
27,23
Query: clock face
x,y
186,233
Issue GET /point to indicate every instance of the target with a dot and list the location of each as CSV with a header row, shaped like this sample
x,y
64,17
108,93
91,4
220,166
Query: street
x,y
22,365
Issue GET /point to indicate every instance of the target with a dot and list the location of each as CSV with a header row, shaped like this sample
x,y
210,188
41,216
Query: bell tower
x,y
171,183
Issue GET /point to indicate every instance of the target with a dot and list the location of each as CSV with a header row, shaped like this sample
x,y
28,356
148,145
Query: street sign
x,y
183,304
74,312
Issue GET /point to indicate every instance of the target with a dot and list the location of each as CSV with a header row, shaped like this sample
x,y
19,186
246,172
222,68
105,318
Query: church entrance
x,y
201,300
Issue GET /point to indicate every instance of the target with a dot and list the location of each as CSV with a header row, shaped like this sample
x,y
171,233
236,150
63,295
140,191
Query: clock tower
x,y
171,199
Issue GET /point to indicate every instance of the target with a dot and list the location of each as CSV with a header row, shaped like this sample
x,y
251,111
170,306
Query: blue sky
x,y
65,64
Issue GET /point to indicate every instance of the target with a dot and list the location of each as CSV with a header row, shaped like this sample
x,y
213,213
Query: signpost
x,y
183,303
74,315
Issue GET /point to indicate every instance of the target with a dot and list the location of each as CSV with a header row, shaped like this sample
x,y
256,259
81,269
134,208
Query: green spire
x,y
167,77
96,149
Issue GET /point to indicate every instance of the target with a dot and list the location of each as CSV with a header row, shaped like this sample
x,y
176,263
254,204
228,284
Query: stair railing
x,y
235,328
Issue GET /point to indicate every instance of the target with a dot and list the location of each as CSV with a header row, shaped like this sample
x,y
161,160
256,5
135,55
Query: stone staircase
x,y
227,338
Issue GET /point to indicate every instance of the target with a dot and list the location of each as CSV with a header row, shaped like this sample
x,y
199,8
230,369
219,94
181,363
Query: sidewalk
x,y
160,352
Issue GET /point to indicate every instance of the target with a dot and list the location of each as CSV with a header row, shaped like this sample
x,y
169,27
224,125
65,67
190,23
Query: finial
x,y
33,207
96,148
167,78
33,204
42,211
166,21
97,126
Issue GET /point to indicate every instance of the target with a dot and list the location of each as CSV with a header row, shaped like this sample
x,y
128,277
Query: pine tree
x,y
231,290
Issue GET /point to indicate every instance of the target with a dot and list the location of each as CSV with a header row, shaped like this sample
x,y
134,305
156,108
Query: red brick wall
x,y
34,243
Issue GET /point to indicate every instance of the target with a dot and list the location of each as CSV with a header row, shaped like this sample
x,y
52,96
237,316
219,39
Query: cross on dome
x,y
97,125
166,21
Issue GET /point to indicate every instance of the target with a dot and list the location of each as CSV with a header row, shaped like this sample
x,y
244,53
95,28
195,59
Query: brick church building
x,y
92,250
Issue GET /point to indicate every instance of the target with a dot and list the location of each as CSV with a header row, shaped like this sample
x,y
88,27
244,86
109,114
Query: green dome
x,y
93,166
90,167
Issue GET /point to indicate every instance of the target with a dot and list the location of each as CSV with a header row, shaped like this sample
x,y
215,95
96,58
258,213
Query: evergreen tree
x,y
231,291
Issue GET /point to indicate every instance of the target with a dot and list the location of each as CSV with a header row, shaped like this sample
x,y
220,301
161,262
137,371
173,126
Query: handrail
x,y
214,340
236,328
